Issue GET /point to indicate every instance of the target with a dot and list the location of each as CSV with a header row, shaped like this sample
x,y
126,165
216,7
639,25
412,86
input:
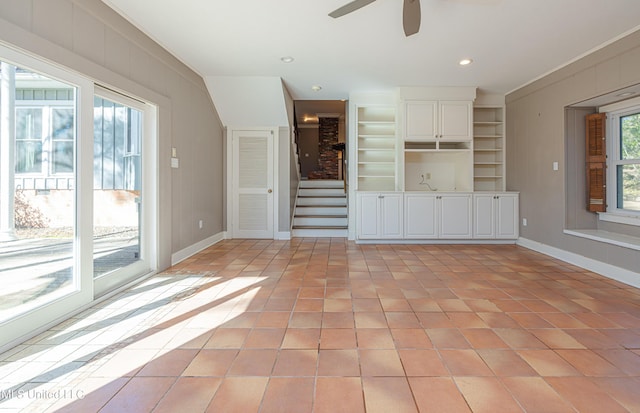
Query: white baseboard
x,y
196,248
610,271
283,236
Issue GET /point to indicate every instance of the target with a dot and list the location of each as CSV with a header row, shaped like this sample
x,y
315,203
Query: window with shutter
x,y
596,162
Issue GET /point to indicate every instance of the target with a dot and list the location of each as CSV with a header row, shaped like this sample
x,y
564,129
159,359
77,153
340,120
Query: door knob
x,y
270,190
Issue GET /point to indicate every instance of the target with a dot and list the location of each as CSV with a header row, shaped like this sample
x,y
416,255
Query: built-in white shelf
x,y
376,148
488,148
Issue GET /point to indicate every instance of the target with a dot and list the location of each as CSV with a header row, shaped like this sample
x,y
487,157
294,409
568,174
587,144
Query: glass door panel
x,y
117,182
38,136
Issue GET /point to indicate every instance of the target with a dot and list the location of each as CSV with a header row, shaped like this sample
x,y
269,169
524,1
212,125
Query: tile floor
x,y
325,325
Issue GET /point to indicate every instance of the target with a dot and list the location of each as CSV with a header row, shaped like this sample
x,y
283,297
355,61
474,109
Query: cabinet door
x,y
484,216
456,120
420,120
391,216
368,212
455,216
507,216
420,216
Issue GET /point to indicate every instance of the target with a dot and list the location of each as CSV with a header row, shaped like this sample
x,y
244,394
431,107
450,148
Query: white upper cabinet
x,y
431,120
456,120
421,120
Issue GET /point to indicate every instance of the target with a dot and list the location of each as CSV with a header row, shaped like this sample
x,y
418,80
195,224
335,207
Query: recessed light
x,y
465,62
316,88
626,94
287,59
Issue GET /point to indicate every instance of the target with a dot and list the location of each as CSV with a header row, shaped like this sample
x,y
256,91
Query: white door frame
x,y
231,179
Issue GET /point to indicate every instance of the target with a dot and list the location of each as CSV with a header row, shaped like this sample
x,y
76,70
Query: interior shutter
x,y
596,162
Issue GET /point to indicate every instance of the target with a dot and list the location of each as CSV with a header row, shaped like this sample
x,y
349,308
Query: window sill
x,y
619,218
620,240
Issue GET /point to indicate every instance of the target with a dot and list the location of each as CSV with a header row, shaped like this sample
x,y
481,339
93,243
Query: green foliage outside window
x,y
629,173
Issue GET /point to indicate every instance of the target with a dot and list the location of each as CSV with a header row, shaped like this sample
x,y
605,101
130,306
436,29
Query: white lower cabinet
x,y
379,215
496,215
420,216
437,215
455,216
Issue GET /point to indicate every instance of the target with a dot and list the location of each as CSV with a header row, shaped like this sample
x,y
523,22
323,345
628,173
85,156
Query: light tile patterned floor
x,y
325,325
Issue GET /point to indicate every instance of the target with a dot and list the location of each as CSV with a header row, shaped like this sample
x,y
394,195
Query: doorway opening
x,y
321,202
321,138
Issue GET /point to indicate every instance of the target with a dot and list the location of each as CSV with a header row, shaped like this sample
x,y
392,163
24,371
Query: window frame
x,y
614,159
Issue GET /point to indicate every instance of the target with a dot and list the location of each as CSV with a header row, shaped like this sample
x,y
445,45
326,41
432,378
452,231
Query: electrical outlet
x,y
524,222
427,175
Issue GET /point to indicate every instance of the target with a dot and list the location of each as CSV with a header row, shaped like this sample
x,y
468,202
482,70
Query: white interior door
x,y
253,194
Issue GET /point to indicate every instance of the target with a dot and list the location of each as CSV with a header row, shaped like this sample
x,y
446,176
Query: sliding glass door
x,y
77,197
42,244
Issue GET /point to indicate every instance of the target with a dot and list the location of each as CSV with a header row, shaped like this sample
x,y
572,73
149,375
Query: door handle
x,y
270,190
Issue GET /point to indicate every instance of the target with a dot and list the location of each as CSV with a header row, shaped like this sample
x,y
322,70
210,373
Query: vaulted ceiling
x,y
511,42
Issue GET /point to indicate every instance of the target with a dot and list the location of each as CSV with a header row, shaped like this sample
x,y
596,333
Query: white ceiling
x,y
512,42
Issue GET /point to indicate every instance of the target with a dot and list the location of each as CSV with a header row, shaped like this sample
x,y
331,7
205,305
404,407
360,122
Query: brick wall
x,y
328,157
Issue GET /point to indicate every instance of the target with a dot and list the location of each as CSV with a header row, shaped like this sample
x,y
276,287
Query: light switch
x,y
555,166
174,152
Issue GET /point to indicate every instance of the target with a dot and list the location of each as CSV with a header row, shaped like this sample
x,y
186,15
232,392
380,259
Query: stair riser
x,y
321,210
320,221
322,201
321,184
320,233
320,192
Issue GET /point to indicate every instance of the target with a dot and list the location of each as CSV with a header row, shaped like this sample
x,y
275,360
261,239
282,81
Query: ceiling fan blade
x,y
349,7
411,17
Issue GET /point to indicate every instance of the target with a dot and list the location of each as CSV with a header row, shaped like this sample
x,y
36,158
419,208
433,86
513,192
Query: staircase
x,y
321,209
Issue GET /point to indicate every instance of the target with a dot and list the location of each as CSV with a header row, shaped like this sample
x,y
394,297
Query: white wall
x,y
247,101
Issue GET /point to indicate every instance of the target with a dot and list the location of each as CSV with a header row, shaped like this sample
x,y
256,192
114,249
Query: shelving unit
x,y
426,164
376,150
488,148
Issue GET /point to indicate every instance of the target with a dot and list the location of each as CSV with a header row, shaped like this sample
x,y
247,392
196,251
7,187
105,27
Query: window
x,y
62,121
28,140
623,162
45,127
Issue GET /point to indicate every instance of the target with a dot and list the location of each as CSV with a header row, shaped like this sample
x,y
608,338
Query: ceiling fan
x,y
410,13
